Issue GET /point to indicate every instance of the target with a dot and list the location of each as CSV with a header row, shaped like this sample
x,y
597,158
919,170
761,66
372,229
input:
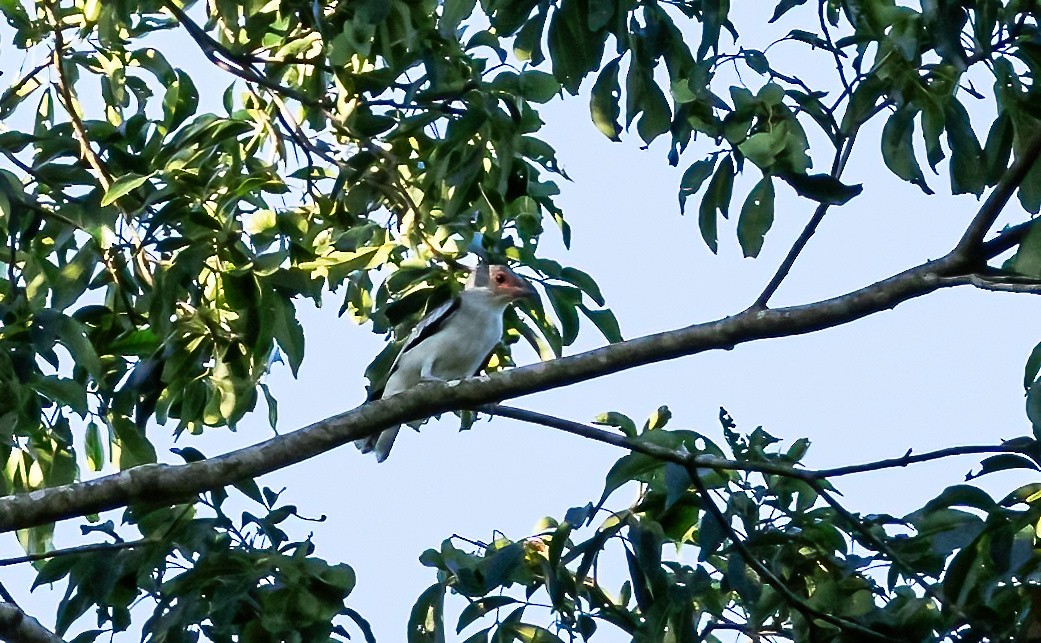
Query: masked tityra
x,y
453,341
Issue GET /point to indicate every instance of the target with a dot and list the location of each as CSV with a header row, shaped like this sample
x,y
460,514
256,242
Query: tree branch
x,y
158,483
811,476
18,627
220,56
1006,239
72,551
842,154
999,283
972,240
808,611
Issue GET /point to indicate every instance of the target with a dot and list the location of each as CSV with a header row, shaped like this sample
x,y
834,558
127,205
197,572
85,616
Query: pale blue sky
x,y
939,371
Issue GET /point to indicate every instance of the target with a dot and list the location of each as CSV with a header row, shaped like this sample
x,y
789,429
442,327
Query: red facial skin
x,y
504,281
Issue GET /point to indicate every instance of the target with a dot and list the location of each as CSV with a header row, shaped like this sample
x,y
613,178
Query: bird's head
x,y
501,282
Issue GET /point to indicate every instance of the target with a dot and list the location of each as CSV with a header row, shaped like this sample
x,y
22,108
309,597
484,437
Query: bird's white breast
x,y
458,348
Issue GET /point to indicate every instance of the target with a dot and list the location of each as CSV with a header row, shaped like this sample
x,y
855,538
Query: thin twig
x,y
222,57
6,596
72,551
1003,283
1006,239
14,89
909,459
724,464
765,573
884,549
842,153
831,47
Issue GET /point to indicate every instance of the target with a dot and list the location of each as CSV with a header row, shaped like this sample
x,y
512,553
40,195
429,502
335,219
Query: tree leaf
x,y
603,101
479,608
426,622
822,188
1027,260
898,148
124,185
693,179
716,199
757,216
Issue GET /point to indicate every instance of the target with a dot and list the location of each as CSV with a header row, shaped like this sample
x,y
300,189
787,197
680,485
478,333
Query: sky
x,y
938,371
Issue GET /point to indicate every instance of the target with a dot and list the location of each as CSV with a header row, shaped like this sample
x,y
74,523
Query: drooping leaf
x,y
757,216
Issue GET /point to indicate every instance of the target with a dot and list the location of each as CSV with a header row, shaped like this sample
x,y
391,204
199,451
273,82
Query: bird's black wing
x,y
426,327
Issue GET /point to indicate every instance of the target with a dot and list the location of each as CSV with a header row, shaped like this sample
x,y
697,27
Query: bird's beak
x,y
525,290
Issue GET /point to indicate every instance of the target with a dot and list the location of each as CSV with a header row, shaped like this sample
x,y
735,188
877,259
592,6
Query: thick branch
x,y
18,627
159,483
170,484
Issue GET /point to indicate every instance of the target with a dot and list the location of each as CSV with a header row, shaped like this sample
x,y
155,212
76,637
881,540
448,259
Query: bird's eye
x,y
500,278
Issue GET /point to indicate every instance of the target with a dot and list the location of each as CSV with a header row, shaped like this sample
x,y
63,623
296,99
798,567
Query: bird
x,y
452,342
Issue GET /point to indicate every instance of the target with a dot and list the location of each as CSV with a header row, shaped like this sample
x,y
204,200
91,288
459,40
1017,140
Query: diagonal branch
x,y
227,60
73,551
159,483
797,602
18,627
172,483
972,240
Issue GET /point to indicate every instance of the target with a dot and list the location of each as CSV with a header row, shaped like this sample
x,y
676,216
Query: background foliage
x,y
155,246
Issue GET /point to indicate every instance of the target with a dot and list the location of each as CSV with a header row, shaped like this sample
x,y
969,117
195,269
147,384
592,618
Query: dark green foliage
x,y
154,254
850,577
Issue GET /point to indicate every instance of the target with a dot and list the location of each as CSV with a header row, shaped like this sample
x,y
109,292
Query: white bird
x,y
452,342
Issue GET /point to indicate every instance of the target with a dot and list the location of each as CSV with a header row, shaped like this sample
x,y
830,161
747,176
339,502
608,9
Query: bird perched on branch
x,y
452,342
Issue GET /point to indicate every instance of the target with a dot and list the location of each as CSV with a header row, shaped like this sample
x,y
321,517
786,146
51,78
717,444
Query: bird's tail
x,y
380,444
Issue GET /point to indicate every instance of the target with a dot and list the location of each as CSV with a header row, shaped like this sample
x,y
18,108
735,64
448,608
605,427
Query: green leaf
x,y
1032,367
623,422
479,608
716,199
527,633
605,321
92,446
62,391
574,48
584,281
693,179
998,149
538,86
454,12
822,188
757,216
757,61
124,185
1027,260
898,148
426,622
287,331
968,172
783,7
1003,462
711,534
603,101
961,495
656,115
130,447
